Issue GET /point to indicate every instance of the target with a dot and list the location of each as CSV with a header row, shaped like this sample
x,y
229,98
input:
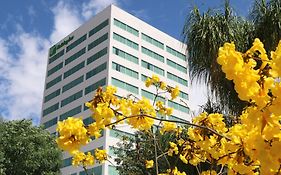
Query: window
x,y
52,95
152,68
74,69
118,134
75,56
72,83
143,77
96,56
95,171
54,69
50,123
76,43
98,28
151,96
95,86
71,98
67,162
126,27
97,41
123,85
112,170
125,41
53,82
96,70
176,118
56,56
152,41
125,70
177,79
152,54
88,120
125,55
183,95
176,53
177,66
71,113
50,109
178,106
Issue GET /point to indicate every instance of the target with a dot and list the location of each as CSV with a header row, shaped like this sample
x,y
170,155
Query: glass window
x,y
152,68
72,83
75,56
178,106
55,69
76,43
152,54
70,113
119,134
151,96
74,69
50,123
95,86
95,171
123,85
112,170
125,41
152,41
98,28
97,41
125,55
126,27
50,109
96,70
67,162
52,95
56,56
176,53
125,70
177,79
54,81
97,55
71,98
177,66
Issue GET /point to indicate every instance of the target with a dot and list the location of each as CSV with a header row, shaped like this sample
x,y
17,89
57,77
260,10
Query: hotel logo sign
x,y
54,48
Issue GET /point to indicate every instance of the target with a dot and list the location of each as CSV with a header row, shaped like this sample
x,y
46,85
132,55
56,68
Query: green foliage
x,y
134,151
27,149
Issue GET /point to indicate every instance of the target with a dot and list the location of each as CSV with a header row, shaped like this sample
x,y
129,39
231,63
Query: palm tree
x,y
204,34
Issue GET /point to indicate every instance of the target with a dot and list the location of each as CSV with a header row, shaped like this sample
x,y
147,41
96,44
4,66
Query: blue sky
x,y
29,28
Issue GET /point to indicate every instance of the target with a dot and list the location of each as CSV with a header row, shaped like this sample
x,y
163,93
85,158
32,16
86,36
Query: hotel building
x,y
112,48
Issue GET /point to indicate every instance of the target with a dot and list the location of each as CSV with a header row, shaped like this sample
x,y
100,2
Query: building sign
x,y
54,48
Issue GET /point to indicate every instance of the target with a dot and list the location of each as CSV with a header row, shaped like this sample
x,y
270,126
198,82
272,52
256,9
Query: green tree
x,y
27,149
204,33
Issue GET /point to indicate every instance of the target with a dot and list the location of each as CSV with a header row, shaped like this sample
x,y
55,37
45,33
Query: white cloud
x,y
94,6
23,59
66,20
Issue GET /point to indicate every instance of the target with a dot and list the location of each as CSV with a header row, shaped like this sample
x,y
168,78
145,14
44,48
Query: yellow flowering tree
x,y
250,146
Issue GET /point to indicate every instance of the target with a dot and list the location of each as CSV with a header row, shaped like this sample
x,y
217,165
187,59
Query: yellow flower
x,y
175,92
168,127
72,134
83,159
100,155
149,164
155,79
163,85
148,82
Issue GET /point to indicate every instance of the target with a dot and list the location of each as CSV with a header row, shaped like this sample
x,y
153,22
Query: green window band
x,y
54,81
178,106
73,70
71,98
125,70
75,56
50,109
55,69
125,55
124,85
176,66
95,171
151,96
98,28
95,86
152,68
126,27
72,83
152,54
70,113
76,43
52,95
97,41
177,79
152,41
183,95
96,70
50,123
176,53
56,56
67,162
97,55
125,41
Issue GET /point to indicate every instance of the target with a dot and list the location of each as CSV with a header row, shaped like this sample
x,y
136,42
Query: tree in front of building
x,y
27,149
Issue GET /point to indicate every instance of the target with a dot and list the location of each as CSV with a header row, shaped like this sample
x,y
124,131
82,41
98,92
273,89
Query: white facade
x,y
58,95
